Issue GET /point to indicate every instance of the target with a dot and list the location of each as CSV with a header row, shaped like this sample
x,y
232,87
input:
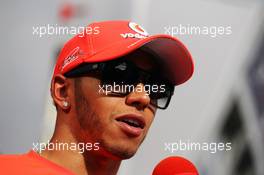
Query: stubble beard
x,y
93,128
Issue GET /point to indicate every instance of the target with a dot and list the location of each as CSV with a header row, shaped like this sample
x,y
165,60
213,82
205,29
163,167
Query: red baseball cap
x,y
109,40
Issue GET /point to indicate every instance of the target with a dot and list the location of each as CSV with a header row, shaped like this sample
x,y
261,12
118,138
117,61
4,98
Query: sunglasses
x,y
120,77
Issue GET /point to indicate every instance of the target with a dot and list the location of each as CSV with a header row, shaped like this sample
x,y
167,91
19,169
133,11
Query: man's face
x,y
109,119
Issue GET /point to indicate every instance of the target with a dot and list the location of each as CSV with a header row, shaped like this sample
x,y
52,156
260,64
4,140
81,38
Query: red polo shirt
x,y
30,164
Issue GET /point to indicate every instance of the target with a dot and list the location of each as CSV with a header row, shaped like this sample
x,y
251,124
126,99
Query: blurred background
x,y
223,102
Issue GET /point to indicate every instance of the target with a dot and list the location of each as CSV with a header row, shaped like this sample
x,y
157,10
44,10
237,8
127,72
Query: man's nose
x,y
138,98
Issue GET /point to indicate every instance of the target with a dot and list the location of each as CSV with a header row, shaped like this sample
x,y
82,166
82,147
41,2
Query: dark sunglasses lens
x,y
119,74
160,103
161,99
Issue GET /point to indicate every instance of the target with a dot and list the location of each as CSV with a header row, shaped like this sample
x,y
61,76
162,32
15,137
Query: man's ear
x,y
60,92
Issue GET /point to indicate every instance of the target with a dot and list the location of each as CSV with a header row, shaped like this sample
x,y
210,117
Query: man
x,y
107,85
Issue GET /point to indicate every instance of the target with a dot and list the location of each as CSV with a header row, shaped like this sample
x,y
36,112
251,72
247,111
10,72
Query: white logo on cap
x,y
73,55
137,28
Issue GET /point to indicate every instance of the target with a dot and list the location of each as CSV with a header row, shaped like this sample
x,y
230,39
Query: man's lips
x,y
132,124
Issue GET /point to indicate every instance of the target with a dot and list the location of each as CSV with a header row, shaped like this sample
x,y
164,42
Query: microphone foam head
x,y
175,166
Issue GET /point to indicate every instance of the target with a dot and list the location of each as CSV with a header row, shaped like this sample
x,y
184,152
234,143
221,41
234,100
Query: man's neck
x,y
86,163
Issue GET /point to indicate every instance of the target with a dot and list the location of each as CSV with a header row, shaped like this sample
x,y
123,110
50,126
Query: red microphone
x,y
175,166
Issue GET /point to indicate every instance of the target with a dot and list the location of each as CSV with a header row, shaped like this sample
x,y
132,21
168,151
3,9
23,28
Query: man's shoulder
x,y
28,163
6,159
11,164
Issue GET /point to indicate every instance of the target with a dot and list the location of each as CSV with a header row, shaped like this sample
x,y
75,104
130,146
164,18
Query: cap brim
x,y
178,61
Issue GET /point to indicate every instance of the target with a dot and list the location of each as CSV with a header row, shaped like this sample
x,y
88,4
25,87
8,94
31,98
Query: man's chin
x,y
119,151
122,153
